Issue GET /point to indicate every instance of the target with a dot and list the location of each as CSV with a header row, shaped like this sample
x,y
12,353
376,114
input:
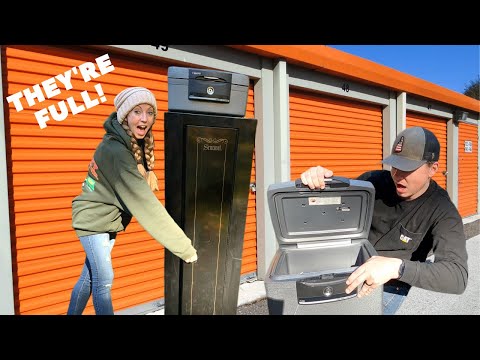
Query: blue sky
x,y
450,66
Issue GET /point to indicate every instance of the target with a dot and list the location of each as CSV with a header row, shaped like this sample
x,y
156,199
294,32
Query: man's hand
x,y
314,177
374,272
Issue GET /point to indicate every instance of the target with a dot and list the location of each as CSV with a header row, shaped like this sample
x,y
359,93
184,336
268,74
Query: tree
x,y
472,89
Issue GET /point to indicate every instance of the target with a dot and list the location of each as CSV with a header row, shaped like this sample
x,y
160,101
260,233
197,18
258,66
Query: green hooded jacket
x,y
114,191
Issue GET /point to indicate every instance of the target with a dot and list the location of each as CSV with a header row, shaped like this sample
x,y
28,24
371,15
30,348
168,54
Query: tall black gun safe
x,y
208,160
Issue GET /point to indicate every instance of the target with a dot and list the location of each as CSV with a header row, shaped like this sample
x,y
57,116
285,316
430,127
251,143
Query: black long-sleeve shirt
x,y
430,222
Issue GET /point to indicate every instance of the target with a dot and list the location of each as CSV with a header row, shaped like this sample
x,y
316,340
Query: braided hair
x,y
149,145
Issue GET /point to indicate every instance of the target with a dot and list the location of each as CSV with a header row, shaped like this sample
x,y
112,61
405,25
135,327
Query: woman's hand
x,y
192,259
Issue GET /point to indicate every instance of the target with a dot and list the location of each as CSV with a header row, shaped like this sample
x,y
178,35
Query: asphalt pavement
x,y
418,301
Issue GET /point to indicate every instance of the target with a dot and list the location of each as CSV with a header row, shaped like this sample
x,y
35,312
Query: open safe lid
x,y
341,211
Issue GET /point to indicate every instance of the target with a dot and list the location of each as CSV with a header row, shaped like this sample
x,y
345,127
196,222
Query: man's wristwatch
x,y
401,269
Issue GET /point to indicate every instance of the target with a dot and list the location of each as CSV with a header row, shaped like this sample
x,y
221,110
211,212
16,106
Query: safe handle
x,y
330,287
210,78
333,182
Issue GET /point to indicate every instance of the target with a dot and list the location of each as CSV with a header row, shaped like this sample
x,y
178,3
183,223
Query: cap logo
x,y
399,146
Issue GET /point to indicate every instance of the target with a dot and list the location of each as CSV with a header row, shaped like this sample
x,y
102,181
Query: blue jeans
x,y
96,277
394,293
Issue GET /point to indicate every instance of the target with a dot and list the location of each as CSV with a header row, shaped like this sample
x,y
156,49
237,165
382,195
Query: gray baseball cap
x,y
412,148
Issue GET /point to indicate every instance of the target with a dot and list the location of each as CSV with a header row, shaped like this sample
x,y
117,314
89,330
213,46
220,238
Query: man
x,y
412,216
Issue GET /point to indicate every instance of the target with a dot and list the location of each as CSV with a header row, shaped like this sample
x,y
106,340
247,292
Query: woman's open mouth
x,y
141,130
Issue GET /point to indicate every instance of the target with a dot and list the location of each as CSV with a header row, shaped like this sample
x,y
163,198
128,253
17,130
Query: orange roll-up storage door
x,y
439,128
46,171
467,169
344,136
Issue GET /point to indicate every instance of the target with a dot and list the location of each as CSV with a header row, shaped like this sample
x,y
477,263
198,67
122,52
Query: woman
x,y
120,184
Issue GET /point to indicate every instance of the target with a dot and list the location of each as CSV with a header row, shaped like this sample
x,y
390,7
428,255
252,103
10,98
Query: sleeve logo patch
x,y
405,239
93,167
89,183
